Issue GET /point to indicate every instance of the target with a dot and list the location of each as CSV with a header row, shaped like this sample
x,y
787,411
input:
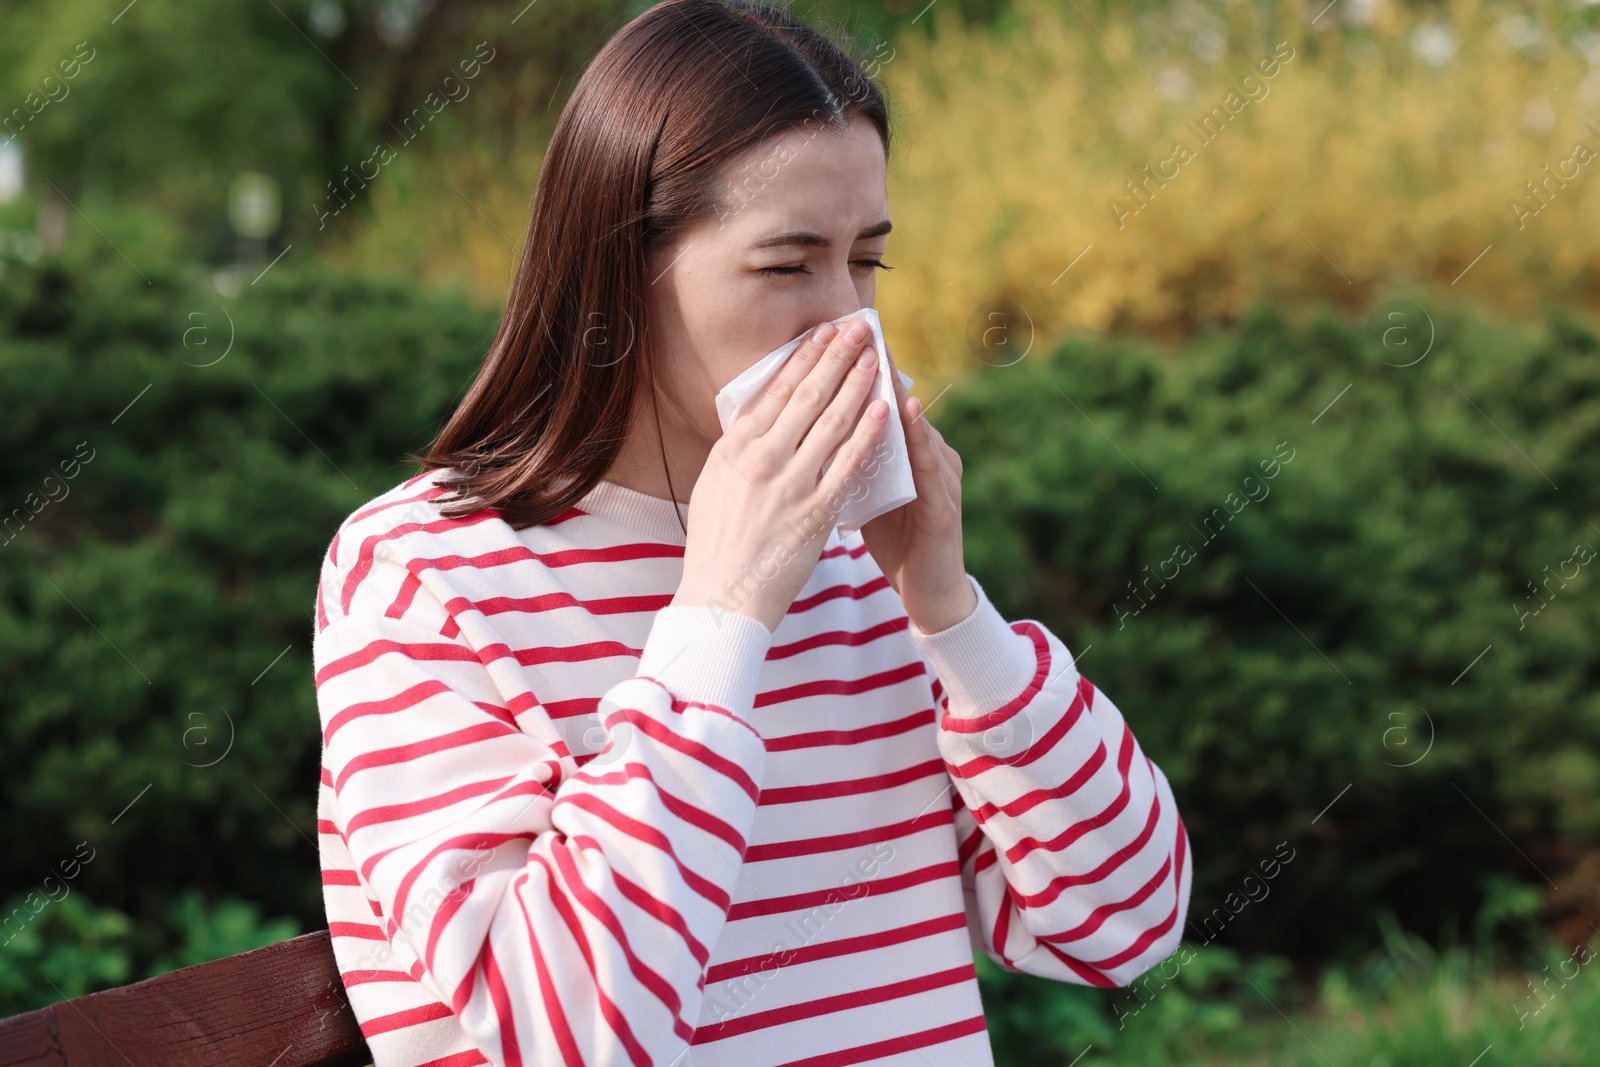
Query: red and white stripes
x,y
565,822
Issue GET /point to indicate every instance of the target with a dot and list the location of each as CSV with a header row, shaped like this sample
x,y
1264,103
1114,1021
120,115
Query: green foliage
x,y
1369,622
1401,1004
212,932
165,103
155,624
73,946
67,948
1204,999
156,612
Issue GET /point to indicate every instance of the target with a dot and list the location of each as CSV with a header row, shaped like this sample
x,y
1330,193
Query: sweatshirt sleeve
x,y
1073,854
564,915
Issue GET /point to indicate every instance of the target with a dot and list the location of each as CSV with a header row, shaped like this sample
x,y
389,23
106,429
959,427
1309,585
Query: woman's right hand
x,y
759,513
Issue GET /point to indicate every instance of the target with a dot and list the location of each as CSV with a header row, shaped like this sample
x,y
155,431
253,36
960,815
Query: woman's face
x,y
803,218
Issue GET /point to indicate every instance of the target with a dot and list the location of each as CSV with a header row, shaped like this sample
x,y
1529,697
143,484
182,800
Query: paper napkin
x,y
884,486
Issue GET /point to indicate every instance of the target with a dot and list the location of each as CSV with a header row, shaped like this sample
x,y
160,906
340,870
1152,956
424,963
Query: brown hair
x,y
635,159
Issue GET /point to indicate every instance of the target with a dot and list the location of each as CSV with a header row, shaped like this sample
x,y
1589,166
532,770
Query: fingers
x,y
924,453
902,394
808,386
761,414
935,466
901,391
855,454
842,414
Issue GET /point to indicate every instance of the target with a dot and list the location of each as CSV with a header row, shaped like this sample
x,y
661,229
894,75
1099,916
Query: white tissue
x,y
886,486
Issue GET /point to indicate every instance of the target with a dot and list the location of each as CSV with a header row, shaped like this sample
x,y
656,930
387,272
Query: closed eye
x,y
875,264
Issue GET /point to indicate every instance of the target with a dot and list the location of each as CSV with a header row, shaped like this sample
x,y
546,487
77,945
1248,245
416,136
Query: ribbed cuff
x,y
981,661
707,656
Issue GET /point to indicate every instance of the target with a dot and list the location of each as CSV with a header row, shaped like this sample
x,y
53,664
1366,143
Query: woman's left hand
x,y
918,545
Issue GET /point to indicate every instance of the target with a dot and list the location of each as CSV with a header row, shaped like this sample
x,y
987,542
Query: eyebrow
x,y
812,239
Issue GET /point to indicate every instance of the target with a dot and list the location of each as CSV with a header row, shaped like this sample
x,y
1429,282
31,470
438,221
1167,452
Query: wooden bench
x,y
279,1006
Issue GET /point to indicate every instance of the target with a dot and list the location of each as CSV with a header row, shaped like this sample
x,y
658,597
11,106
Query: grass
x,y
1407,1005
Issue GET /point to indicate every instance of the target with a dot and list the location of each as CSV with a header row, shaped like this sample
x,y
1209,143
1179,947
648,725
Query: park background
x,y
226,312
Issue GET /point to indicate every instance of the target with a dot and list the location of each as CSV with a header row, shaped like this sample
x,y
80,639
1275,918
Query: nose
x,y
843,294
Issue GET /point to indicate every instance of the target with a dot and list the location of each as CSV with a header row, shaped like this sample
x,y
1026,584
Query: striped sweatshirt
x,y
563,821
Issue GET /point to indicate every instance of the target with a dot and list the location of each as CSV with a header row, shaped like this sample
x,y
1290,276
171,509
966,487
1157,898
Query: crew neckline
x,y
654,516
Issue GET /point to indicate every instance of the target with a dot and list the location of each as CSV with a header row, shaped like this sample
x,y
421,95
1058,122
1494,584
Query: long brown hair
x,y
637,156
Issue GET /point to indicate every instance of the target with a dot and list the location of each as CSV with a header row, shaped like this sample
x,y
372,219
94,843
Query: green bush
x,y
155,623
1353,640
64,949
156,616
1402,1003
72,946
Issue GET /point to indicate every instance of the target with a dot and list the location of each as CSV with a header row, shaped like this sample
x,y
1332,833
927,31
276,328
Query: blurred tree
x,y
171,101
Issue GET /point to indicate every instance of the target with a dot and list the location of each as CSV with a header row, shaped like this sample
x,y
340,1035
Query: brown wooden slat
x,y
279,1006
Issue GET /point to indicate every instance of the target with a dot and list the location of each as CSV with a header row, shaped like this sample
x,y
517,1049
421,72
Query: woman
x,y
609,778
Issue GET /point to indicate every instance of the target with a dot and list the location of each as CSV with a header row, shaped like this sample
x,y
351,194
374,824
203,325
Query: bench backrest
x,y
279,1006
